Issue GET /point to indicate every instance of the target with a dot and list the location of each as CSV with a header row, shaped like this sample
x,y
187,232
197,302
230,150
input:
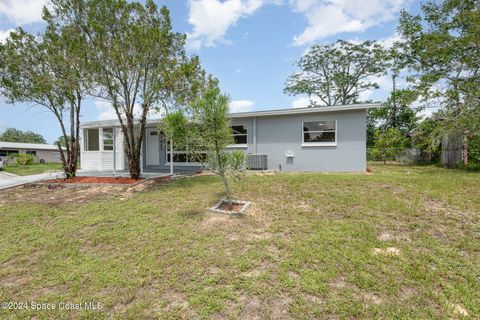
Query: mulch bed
x,y
95,180
235,207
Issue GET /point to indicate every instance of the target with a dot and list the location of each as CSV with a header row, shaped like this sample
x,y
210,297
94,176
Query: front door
x,y
153,147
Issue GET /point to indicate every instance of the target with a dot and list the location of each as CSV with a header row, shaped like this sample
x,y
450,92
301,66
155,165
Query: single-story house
x,y
319,139
41,152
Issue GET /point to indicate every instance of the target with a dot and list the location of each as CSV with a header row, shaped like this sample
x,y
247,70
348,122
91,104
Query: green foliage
x,y
396,112
49,70
62,141
426,136
337,73
175,126
389,144
24,159
136,60
443,60
14,135
474,149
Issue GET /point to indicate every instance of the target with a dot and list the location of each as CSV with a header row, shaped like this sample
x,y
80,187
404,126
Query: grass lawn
x,y
34,168
310,247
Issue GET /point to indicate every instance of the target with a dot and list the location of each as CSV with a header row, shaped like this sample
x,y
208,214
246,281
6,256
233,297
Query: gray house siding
x,y
275,135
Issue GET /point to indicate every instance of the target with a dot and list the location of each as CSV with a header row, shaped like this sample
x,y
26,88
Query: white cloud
x,y
327,18
211,19
304,102
106,110
4,34
22,11
388,42
108,113
241,105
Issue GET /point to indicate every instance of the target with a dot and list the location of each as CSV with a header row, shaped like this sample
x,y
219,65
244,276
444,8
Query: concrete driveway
x,y
8,180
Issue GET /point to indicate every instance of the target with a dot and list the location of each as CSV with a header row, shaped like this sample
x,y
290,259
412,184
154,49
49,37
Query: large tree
x,y
444,58
15,135
336,74
397,111
49,70
139,62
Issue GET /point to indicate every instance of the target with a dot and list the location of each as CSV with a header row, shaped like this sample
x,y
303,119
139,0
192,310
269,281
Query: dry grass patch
x,y
302,251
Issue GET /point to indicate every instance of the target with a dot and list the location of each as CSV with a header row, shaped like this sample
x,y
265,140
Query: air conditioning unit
x,y
257,161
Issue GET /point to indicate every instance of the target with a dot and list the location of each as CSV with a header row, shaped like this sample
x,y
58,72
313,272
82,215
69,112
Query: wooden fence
x,y
452,150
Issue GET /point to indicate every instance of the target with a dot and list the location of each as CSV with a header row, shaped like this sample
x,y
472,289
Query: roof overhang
x,y
265,113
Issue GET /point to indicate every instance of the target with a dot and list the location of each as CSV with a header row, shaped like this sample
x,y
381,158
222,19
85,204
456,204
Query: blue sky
x,y
249,45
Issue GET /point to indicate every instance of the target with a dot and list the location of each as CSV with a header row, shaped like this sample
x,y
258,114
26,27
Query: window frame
x,y
86,141
239,145
103,139
186,152
319,144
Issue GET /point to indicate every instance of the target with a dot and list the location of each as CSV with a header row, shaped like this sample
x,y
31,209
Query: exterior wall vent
x,y
257,161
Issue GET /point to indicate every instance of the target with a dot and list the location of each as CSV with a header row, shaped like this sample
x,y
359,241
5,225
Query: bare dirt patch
x,y
393,236
235,207
371,298
95,180
390,251
460,310
252,309
280,308
42,194
59,194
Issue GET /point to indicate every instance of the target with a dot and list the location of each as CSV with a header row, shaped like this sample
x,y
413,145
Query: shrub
x,y
24,159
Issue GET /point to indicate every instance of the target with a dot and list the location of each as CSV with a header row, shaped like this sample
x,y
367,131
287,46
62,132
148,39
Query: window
x,y
32,152
108,139
91,140
319,133
182,155
6,153
239,134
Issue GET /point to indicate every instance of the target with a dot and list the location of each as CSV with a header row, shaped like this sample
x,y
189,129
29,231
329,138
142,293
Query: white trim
x,y
184,164
172,152
320,144
239,146
103,142
305,110
114,133
277,112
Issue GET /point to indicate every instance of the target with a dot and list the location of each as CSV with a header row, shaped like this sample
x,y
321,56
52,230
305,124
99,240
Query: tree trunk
x,y
221,172
227,189
134,165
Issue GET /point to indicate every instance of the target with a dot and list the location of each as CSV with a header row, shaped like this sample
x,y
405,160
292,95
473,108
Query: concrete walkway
x,y
8,180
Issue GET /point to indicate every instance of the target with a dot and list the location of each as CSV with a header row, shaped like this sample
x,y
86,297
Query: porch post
x,y
114,148
141,157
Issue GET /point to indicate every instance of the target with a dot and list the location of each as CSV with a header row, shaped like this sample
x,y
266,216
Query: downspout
x,y
254,135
